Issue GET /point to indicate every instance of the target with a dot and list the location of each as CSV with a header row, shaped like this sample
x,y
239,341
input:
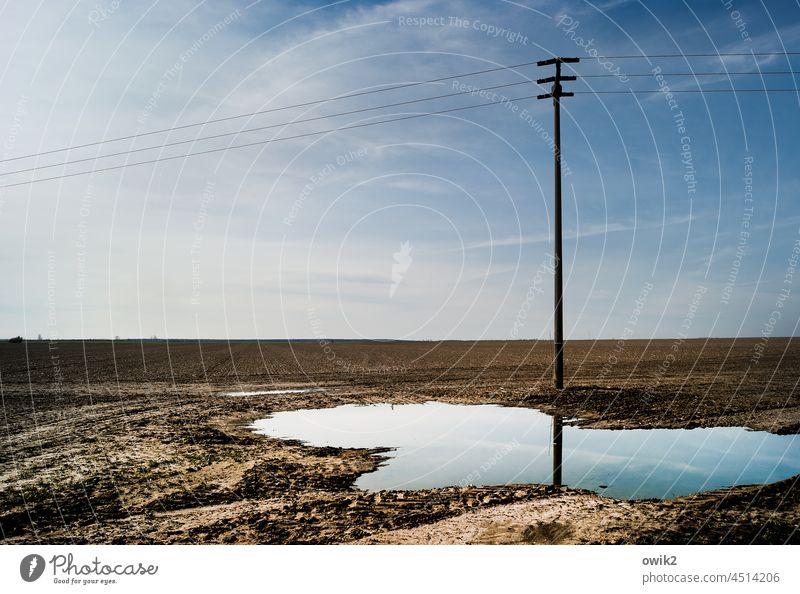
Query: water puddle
x,y
273,392
438,445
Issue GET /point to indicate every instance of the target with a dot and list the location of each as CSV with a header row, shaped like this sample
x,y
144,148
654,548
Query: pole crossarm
x,y
542,81
557,60
548,95
557,92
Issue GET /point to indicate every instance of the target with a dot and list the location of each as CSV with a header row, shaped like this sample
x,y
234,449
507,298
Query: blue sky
x,y
430,228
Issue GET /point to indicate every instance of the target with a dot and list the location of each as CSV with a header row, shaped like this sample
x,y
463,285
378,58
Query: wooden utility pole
x,y
558,323
558,448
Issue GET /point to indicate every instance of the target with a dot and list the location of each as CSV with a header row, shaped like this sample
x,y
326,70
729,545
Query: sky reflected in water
x,y
437,445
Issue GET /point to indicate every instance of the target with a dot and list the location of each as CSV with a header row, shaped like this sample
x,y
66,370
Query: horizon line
x,y
331,338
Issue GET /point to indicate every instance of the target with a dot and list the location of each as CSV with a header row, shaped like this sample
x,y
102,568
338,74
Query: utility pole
x,y
558,448
558,322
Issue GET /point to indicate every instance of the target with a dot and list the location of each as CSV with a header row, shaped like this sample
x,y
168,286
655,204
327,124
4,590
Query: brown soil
x,y
132,442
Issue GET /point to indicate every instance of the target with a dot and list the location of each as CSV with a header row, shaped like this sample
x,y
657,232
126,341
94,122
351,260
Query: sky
x,y
681,216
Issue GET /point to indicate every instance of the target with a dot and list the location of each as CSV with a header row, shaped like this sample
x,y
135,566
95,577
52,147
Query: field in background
x,y
134,442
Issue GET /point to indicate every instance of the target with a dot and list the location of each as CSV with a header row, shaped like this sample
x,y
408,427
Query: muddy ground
x,y
131,442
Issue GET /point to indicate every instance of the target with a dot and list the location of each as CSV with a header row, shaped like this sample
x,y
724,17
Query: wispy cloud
x,y
583,232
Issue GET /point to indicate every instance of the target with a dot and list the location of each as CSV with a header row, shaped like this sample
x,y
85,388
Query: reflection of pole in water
x,y
558,444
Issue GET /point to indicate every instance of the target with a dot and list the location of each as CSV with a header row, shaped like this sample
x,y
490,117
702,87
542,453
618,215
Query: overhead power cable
x,y
270,110
261,128
754,73
360,110
265,142
717,55
646,91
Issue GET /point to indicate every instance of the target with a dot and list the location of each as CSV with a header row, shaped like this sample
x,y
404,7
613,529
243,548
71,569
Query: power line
x,y
645,91
270,110
362,125
385,89
766,73
356,111
361,110
265,142
261,128
717,55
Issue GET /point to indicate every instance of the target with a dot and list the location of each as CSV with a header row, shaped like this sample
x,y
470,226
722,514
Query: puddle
x,y
438,445
273,392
